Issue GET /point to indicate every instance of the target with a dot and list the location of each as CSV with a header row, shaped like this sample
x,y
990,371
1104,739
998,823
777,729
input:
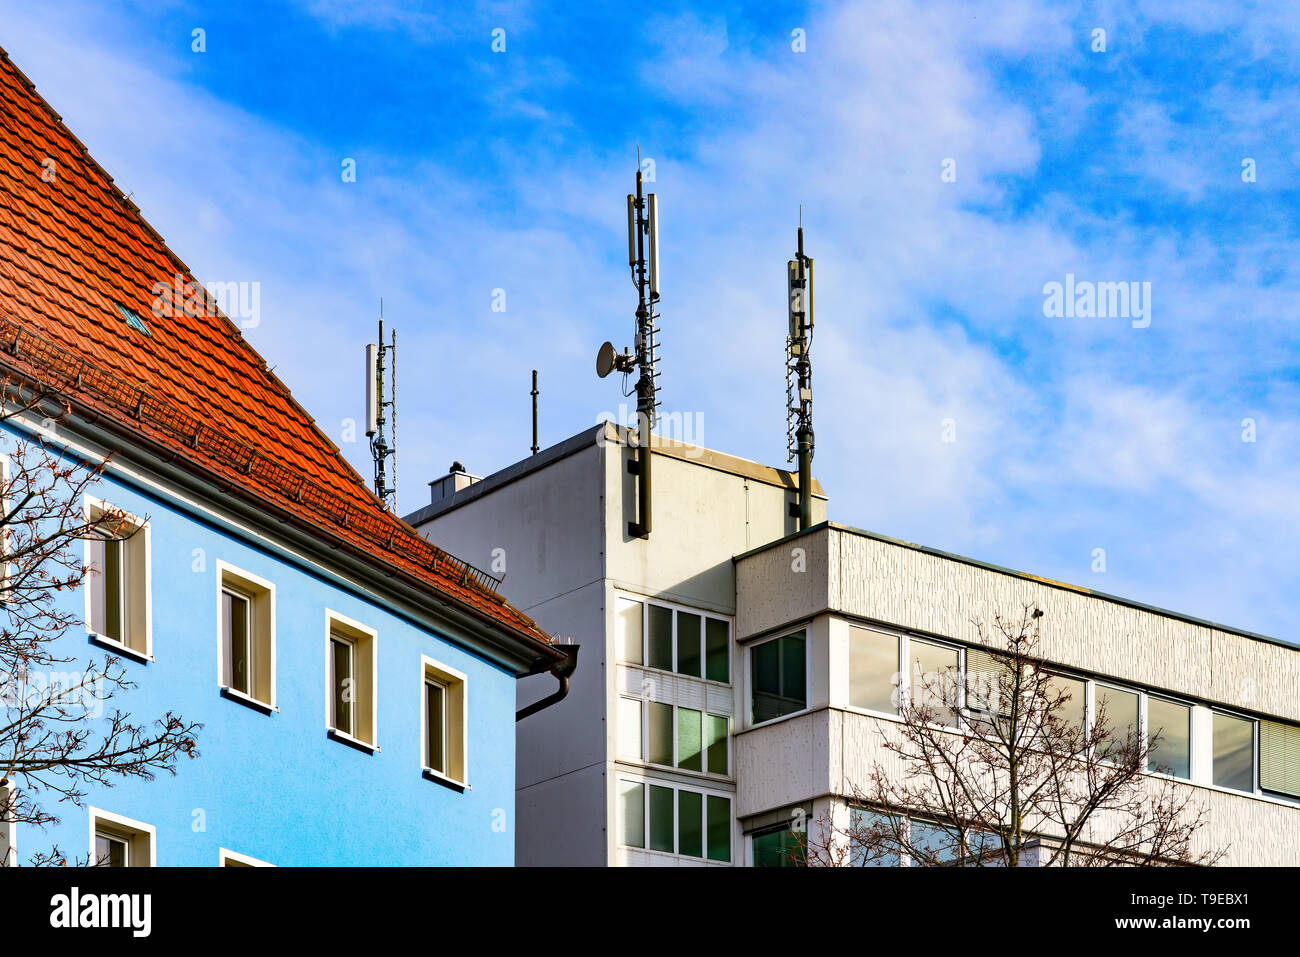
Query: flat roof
x,y
610,432
1024,576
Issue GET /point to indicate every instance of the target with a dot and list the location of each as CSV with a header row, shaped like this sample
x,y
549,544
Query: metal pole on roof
x,y
534,395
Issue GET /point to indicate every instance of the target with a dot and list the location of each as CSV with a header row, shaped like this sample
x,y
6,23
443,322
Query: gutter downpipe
x,y
562,670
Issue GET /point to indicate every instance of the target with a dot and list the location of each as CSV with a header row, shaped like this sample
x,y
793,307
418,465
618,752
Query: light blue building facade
x,y
355,684
275,786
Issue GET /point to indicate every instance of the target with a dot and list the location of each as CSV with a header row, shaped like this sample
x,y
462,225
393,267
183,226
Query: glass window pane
x,y
661,638
661,733
719,828
661,818
690,823
934,678
873,670
871,836
109,851
777,677
933,845
988,687
435,724
343,685
1069,715
689,740
688,644
1170,725
631,799
235,630
717,652
1234,752
1118,709
716,743
113,584
629,629
629,728
777,849
792,670
1279,757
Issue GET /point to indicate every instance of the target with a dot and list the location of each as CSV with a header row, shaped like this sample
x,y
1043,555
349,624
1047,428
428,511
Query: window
x,y
246,655
117,841
934,679
779,846
1116,713
674,820
871,834
778,678
629,729
873,670
1169,726
630,631
350,676
690,740
659,642
631,800
1072,710
228,858
685,738
1234,752
988,690
1279,758
717,650
688,644
117,580
716,743
674,639
660,743
443,703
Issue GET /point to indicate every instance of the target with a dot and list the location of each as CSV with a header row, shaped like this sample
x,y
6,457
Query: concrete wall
x,y
562,523
883,581
548,526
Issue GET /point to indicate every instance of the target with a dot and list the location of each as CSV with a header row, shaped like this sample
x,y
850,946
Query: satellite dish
x,y
605,360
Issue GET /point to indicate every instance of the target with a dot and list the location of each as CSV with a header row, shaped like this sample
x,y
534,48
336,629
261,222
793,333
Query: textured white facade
x,y
834,577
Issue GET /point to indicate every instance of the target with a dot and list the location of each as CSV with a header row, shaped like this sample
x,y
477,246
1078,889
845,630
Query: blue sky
x,y
479,171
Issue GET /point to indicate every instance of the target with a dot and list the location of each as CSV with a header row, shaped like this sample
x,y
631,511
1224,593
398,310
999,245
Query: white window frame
x,y
1191,735
360,634
676,608
224,569
119,822
1254,750
705,794
90,504
806,628
444,675
705,714
225,854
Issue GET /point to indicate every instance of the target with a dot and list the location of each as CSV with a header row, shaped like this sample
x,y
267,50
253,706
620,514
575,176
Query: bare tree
x,y
57,734
1002,769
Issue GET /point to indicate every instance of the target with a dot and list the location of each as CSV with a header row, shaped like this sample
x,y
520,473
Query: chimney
x,y
451,483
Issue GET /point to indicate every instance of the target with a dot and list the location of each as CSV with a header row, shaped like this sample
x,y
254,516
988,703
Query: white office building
x,y
735,672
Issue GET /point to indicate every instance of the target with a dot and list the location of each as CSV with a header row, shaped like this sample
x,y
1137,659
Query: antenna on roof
x,y
643,260
534,395
798,376
379,409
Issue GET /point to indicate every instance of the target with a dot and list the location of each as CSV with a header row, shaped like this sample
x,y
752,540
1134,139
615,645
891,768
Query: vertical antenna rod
x,y
534,395
643,261
799,426
376,417
646,276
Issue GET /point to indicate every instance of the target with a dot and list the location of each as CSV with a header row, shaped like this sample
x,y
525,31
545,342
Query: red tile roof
x,y
71,248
